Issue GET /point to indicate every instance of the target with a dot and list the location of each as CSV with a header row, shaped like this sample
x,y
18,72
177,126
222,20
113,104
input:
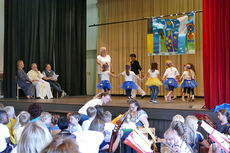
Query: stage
x,y
159,115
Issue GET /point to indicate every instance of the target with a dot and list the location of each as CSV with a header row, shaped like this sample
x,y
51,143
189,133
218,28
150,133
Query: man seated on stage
x,y
42,87
23,81
50,76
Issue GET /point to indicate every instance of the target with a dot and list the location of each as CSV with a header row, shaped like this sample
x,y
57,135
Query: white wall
x,y
91,43
1,33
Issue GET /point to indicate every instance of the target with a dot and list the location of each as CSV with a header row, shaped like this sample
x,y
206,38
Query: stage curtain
x,y
216,48
31,35
126,38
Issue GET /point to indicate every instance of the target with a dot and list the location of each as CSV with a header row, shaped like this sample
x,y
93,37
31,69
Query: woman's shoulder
x,y
141,112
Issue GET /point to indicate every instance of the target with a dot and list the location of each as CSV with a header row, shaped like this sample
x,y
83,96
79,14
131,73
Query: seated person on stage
x,y
23,80
42,87
50,76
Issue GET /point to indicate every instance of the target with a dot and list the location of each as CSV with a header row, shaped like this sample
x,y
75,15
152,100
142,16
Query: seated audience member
x,y
35,111
23,80
108,133
61,145
100,112
194,138
46,119
42,87
55,129
89,141
137,115
21,121
175,138
91,112
1,106
100,99
4,132
63,125
11,116
178,117
223,125
108,125
34,138
49,75
74,125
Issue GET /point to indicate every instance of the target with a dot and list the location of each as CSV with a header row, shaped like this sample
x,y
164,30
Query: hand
x,y
55,79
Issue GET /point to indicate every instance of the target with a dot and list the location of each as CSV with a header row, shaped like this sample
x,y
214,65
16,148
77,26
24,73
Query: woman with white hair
x,y
42,87
194,137
34,138
103,58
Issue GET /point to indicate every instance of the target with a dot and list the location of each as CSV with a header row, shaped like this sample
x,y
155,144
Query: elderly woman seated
x,y
23,80
42,87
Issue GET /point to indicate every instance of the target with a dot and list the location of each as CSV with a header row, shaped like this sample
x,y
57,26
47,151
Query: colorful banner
x,y
171,36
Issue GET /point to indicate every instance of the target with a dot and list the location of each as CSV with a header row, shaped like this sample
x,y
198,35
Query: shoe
x,y
193,97
154,101
166,98
183,98
63,94
174,97
142,97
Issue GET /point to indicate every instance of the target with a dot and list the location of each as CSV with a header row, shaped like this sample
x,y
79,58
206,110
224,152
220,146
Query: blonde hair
x,y
191,128
62,145
10,111
22,119
44,116
178,117
101,49
34,138
107,116
169,61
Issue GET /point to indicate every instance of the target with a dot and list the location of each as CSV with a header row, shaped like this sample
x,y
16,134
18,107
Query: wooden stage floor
x,y
118,101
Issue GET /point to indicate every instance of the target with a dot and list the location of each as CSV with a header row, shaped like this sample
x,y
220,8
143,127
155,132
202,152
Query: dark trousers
x,y
128,92
56,86
187,90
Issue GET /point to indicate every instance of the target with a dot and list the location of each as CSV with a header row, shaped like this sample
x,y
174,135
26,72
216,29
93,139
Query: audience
x,y
91,112
61,145
223,125
34,138
11,116
74,125
4,134
1,106
21,121
63,125
35,111
108,125
175,137
89,141
46,119
55,129
195,138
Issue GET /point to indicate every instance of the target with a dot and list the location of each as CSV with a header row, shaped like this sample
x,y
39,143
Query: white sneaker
x,y
154,101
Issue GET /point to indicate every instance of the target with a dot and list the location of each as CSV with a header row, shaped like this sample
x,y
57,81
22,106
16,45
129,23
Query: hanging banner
x,y
171,36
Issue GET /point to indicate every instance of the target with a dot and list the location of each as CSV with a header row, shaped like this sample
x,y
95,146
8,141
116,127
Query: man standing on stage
x,y
135,67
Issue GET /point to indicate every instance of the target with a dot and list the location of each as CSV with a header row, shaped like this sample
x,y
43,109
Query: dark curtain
x,y
70,48
31,35
216,48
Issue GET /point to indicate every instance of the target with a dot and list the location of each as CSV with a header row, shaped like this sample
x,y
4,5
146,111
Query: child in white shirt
x,y
74,125
170,79
91,112
128,85
4,134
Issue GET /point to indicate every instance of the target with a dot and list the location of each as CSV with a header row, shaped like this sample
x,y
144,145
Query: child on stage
x,y
128,85
105,85
193,79
170,76
187,84
153,81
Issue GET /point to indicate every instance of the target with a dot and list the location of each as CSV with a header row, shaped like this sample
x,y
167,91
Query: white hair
x,y
10,111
